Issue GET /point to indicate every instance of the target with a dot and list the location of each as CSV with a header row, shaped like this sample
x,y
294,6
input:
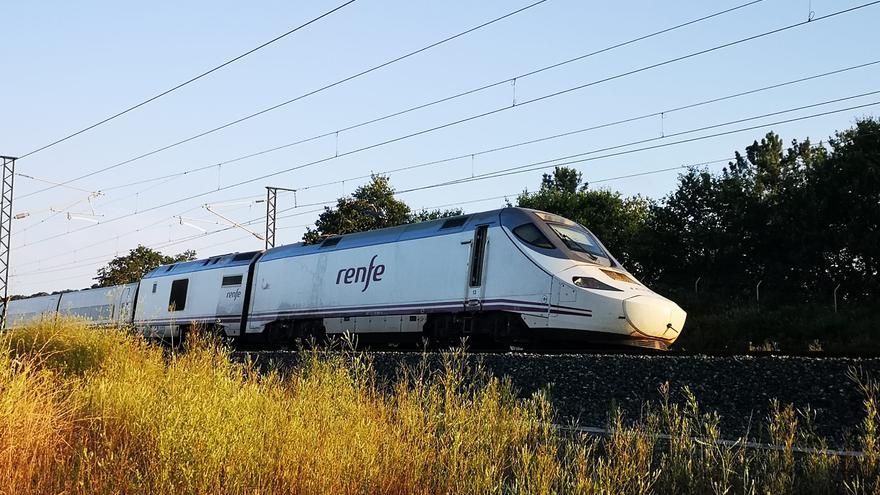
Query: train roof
x,y
421,230
214,262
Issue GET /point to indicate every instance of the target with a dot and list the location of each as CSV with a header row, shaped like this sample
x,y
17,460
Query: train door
x,y
229,303
476,286
125,306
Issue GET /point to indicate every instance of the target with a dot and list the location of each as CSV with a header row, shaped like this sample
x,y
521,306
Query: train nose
x,y
654,316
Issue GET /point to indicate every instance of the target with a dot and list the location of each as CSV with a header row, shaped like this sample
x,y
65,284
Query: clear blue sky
x,y
69,64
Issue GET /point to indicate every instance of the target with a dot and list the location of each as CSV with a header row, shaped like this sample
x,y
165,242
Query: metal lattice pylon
x,y
8,181
271,196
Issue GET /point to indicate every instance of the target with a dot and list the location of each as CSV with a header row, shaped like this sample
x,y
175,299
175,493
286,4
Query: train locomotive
x,y
507,277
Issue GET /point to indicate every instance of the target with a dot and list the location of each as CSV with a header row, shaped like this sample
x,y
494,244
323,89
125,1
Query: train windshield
x,y
578,239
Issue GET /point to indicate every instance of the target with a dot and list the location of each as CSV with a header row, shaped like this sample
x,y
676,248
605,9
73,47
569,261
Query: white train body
x,y
24,311
469,275
510,276
207,292
104,306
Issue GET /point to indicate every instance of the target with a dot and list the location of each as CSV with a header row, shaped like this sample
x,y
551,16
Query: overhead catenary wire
x,y
536,165
485,114
297,98
187,82
506,107
337,155
574,132
462,94
569,159
458,95
133,231
490,177
572,159
665,112
90,260
358,150
84,261
875,2
45,181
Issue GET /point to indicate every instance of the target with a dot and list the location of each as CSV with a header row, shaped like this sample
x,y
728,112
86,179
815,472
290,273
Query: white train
x,y
511,277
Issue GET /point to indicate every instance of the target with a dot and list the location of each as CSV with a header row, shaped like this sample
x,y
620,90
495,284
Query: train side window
x,y
231,280
177,301
530,234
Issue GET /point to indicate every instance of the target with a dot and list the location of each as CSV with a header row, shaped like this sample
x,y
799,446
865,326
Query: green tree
x,y
133,266
799,218
616,220
371,206
845,191
426,215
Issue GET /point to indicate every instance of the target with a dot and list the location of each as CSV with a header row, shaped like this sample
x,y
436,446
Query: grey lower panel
x,y
376,324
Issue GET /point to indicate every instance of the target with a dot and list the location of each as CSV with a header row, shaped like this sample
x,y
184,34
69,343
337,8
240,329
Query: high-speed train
x,y
509,277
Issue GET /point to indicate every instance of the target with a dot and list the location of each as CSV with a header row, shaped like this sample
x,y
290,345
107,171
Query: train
x,y
511,277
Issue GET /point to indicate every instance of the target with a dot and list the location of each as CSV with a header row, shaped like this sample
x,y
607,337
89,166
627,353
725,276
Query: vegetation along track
x,y
585,387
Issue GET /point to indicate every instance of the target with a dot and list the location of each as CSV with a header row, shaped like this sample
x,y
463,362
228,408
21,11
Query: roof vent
x,y
454,222
331,242
244,256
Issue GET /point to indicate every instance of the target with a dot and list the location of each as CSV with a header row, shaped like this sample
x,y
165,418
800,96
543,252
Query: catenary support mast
x,y
271,196
8,180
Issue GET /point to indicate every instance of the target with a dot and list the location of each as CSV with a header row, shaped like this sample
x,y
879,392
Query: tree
x,y
800,218
616,221
133,266
371,206
846,190
426,215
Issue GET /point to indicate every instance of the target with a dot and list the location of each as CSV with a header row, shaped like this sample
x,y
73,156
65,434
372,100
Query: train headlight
x,y
592,283
621,277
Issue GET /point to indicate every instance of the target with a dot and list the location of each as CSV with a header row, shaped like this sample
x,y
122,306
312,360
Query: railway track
x,y
634,351
584,387
751,445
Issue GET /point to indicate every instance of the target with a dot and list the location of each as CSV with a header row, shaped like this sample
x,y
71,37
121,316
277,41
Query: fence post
x,y
835,297
758,291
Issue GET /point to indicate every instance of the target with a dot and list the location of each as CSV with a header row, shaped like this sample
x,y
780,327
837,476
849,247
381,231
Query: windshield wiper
x,y
569,241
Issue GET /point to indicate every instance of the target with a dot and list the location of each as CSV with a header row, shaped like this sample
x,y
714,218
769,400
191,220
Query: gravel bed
x,y
583,388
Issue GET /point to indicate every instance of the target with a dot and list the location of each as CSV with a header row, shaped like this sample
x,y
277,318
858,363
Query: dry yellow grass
x,y
98,411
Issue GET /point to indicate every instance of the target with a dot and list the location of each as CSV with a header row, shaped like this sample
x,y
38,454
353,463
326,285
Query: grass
x,y
99,411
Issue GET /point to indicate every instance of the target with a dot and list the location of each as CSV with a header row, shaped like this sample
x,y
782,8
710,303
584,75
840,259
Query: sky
x,y
71,64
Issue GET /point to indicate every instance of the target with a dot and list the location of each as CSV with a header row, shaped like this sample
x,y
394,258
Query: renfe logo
x,y
361,274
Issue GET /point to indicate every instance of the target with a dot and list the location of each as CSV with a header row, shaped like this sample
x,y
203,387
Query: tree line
x,y
801,218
